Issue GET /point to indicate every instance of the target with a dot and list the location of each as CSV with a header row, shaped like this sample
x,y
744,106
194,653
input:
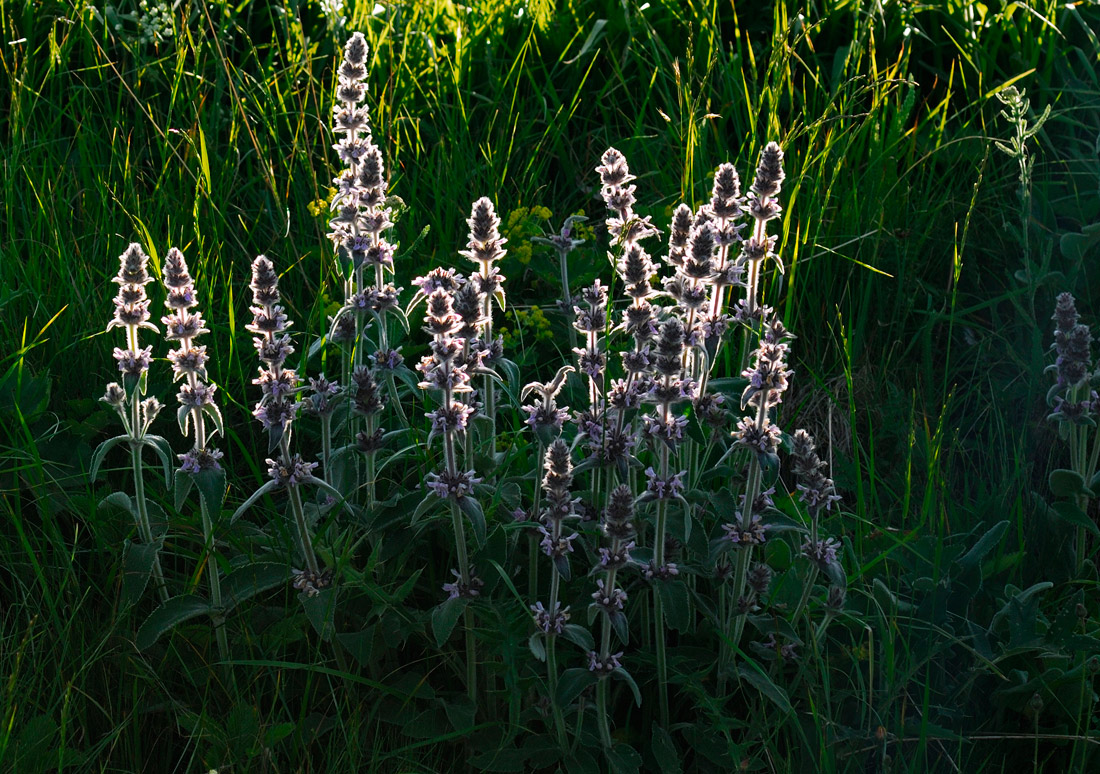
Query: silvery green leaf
x,y
621,674
267,487
137,566
579,636
182,487
164,451
170,615
101,452
444,617
216,416
472,509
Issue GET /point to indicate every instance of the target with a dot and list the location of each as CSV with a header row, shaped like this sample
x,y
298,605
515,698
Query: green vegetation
x,y
942,180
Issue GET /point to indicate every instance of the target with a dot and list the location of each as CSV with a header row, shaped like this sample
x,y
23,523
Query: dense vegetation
x,y
941,189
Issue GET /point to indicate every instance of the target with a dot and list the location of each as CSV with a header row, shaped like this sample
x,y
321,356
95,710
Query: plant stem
x,y
304,541
145,529
215,582
552,684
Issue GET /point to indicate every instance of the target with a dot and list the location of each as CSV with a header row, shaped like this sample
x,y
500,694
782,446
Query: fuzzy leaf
x,y
676,604
472,509
572,683
321,611
620,625
101,452
164,451
267,487
624,759
1068,511
170,615
215,415
429,503
536,646
985,544
579,636
211,486
761,682
119,500
247,582
444,618
137,566
621,674
359,644
182,487
1067,483
664,750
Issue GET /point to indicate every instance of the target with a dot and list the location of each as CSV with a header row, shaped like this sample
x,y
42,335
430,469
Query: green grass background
x,y
919,352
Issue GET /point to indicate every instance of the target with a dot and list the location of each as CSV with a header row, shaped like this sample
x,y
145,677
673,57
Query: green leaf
x,y
101,452
170,615
1067,483
472,509
182,487
359,644
460,711
761,682
137,566
247,582
211,486
676,603
536,646
664,750
267,487
985,544
444,618
581,762
429,503
321,611
508,759
621,674
1068,511
624,759
119,500
579,636
215,414
620,625
572,683
164,451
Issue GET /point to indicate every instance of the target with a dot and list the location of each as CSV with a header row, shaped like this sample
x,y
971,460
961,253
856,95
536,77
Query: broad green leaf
x,y
572,683
101,452
321,611
761,682
211,486
624,759
664,750
182,487
472,509
119,500
579,636
1067,483
536,646
164,451
1069,512
676,604
985,544
267,487
137,566
621,674
359,644
460,711
170,615
245,583
444,618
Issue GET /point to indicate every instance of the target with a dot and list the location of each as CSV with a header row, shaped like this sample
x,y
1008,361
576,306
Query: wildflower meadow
x,y
593,386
